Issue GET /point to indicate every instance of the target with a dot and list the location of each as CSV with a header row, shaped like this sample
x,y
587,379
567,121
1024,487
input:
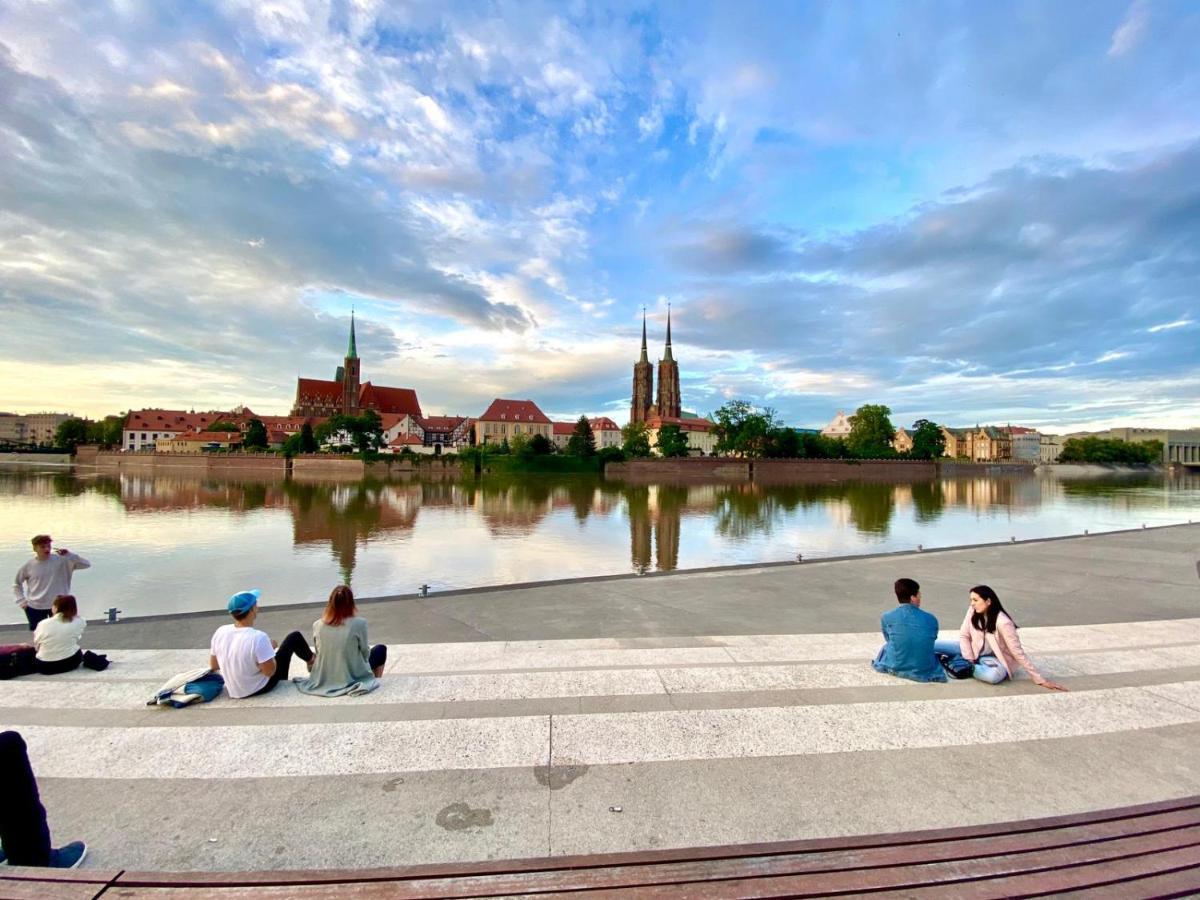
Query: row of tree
x,y
1104,450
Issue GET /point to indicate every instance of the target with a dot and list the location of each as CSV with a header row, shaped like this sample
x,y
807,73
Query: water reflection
x,y
385,534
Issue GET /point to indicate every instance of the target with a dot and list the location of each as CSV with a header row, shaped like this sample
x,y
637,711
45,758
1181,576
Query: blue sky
x,y
967,211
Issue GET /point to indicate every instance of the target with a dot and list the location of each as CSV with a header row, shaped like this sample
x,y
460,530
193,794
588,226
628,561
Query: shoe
x,y
68,856
3,859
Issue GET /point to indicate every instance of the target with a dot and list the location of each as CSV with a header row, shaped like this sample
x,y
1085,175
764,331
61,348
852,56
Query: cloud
x,y
1131,30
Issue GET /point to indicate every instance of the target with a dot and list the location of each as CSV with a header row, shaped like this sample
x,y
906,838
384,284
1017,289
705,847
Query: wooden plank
x,y
31,889
912,839
39,873
1179,883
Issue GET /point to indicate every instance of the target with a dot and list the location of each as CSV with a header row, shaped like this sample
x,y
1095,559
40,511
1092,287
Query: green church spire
x,y
352,350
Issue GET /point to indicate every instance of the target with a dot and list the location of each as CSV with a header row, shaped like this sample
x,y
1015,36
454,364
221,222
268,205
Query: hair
x,y
242,616
64,605
40,539
906,589
340,606
987,621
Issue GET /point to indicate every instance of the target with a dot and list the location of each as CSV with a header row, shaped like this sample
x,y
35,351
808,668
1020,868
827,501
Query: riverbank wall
x,y
308,467
804,471
50,459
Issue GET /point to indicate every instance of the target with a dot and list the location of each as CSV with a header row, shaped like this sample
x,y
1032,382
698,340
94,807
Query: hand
x,y
23,604
1054,686
62,551
274,645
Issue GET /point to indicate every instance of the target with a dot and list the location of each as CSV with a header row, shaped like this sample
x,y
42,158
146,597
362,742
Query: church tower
x,y
350,375
643,382
668,379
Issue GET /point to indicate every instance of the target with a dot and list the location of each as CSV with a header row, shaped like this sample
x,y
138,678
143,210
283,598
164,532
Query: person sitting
x,y
988,638
909,634
24,835
57,638
248,659
346,661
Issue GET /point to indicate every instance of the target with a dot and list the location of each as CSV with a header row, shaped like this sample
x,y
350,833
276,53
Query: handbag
x,y
956,665
16,660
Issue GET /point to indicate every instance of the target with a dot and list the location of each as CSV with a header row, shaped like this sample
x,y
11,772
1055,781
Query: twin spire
x,y
667,356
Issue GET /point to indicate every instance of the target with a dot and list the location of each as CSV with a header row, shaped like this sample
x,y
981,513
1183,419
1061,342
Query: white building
x,y
1049,447
839,427
1026,444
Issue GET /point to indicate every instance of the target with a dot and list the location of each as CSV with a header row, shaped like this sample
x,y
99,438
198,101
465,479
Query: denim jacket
x,y
909,633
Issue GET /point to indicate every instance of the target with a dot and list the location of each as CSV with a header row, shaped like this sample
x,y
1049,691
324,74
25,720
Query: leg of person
x,y
990,670
35,615
377,659
949,646
23,830
292,645
58,666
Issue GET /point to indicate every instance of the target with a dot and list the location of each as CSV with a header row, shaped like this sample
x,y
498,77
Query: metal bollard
x,y
424,591
111,616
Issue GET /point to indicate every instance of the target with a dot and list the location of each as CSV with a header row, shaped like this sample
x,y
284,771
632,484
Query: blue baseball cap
x,y
243,601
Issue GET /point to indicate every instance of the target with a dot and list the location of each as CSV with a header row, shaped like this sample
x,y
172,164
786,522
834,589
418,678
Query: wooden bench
x,y
1140,851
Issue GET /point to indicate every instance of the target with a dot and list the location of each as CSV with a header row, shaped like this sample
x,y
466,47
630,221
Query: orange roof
x,y
604,423
514,411
441,423
389,399
283,423
319,388
563,427
684,424
1017,429
176,420
212,437
406,440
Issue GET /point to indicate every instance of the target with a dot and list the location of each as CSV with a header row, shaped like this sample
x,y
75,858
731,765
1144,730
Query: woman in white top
x,y
57,638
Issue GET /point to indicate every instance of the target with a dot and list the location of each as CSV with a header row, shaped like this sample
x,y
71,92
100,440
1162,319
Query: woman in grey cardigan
x,y
346,663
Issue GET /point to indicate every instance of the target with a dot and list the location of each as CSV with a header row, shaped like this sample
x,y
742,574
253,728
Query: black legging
x,y
378,656
57,666
292,645
23,832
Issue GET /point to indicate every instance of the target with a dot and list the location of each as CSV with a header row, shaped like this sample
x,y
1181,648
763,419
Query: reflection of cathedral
x,y
656,523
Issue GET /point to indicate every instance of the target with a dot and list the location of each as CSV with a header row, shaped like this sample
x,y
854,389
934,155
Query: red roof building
x,y
144,428
505,419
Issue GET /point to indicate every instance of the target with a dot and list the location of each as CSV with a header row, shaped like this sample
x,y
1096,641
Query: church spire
x,y
668,357
352,350
644,358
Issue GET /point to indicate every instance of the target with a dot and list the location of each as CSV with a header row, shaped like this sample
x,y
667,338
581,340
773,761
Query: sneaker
x,y
3,859
68,856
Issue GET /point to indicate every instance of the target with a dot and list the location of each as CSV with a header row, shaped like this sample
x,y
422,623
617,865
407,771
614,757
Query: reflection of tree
x,y
928,499
514,504
582,492
871,506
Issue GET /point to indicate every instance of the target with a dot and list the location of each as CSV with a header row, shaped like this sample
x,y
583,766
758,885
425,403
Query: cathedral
x,y
346,395
667,408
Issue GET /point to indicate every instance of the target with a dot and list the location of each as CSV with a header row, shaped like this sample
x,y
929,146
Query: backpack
x,y
956,666
16,660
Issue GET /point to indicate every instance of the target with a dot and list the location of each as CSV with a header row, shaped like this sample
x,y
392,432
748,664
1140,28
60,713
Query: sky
x,y
970,212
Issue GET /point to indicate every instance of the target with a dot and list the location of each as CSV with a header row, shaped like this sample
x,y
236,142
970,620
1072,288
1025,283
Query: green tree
x,y
871,432
742,429
928,440
364,431
256,436
672,441
222,425
291,445
582,442
519,446
1105,451
308,441
783,443
106,432
635,440
540,445
608,455
71,433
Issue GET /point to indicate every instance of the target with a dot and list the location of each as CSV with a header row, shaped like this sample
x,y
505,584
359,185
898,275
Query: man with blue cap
x,y
246,657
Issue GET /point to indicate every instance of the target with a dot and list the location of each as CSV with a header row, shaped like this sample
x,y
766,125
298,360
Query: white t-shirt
x,y
239,651
56,639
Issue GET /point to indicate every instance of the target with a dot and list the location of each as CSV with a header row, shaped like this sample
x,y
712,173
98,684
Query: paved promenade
x,y
616,714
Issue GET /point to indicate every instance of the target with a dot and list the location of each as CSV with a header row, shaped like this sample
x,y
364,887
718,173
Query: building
x,y
32,428
957,441
606,432
669,400
1026,444
434,434
199,441
144,428
560,433
505,419
1179,445
839,427
1049,447
990,444
346,395
902,442
700,434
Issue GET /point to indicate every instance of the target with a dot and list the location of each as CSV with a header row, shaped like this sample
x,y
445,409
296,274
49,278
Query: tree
x,y
672,441
519,446
582,442
256,436
742,429
308,441
222,425
106,432
540,445
71,433
1102,450
635,439
783,443
928,440
871,432
364,431
608,455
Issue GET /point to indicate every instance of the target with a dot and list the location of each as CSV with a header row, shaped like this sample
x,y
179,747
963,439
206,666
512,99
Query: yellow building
x,y
700,434
505,419
199,441
902,442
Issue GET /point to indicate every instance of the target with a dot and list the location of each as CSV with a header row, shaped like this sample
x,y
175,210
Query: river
x,y
163,544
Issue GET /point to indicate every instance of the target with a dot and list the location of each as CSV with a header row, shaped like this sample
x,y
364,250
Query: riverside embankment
x,y
626,714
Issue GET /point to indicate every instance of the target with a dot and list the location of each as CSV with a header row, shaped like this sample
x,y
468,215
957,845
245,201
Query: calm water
x,y
170,544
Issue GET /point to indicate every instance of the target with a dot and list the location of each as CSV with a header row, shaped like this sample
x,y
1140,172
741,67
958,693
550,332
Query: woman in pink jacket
x,y
988,638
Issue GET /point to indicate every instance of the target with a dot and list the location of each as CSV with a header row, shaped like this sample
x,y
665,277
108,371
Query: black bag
x,y
16,660
97,662
956,665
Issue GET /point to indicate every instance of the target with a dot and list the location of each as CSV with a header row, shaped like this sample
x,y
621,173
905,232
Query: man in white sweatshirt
x,y
44,577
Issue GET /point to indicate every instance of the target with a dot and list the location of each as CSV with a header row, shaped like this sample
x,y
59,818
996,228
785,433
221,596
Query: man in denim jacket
x,y
909,633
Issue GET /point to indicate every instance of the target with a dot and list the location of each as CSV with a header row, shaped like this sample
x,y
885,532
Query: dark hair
x,y
340,606
40,539
239,617
64,605
906,589
987,621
